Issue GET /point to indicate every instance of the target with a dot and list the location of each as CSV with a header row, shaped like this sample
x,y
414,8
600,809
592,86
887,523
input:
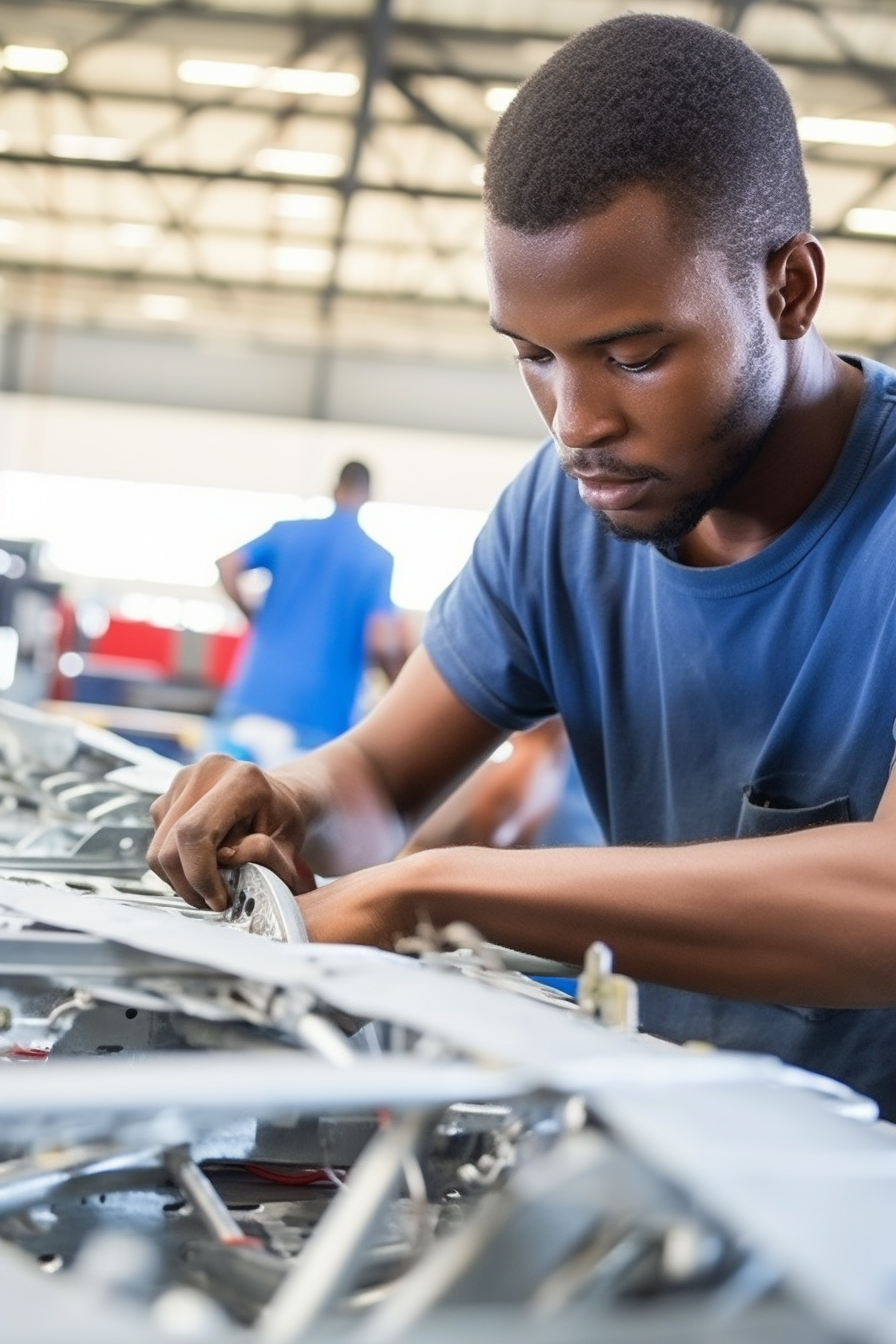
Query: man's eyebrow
x,y
605,338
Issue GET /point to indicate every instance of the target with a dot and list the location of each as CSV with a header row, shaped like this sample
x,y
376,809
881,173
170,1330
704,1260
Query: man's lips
x,y
612,493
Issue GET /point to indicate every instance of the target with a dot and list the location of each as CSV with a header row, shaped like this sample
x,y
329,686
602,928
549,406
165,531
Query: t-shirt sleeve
x,y
483,631
261,553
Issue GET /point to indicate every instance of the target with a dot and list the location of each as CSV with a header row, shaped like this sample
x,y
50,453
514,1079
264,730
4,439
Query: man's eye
x,y
532,357
641,366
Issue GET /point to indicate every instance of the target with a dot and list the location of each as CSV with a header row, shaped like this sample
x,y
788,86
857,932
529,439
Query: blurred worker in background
x,y
326,615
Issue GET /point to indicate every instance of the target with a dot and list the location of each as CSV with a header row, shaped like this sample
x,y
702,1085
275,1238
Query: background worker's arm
x,y
508,799
807,918
350,803
386,640
230,567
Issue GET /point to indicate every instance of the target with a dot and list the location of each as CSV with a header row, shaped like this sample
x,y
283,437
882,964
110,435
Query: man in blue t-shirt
x,y
697,572
326,614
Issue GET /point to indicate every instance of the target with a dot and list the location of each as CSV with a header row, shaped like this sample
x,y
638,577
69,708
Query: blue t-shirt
x,y
704,703
305,654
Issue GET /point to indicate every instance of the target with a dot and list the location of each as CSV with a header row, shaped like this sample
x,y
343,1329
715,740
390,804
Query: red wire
x,y
308,1176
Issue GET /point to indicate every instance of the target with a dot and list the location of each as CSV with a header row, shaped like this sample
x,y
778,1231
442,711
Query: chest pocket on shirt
x,y
767,811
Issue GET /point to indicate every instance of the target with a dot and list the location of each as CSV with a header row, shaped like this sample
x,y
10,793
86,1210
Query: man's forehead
x,y
623,268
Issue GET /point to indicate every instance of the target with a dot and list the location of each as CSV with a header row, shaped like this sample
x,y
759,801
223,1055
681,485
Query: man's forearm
x,y
807,918
350,817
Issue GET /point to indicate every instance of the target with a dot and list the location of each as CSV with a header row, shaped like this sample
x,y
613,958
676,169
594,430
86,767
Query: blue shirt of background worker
x,y
327,612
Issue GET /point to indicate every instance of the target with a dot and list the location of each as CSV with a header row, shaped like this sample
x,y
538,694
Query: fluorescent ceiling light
x,y
35,60
105,148
10,230
862,220
332,83
299,163
133,235
302,205
844,131
307,260
477,174
5,140
243,75
499,97
164,307
225,74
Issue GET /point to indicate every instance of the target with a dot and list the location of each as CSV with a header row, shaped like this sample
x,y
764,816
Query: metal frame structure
x,y
401,228
211,1129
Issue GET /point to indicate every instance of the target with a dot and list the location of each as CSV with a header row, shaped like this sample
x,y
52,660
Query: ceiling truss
x,y
187,206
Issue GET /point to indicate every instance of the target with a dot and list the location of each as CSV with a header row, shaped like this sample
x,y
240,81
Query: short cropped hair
x,y
677,105
355,476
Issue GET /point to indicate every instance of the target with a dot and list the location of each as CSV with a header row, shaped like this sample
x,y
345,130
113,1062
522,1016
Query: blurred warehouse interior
x,y
241,243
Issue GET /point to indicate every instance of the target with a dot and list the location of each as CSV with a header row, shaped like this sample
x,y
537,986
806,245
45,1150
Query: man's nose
x,y
585,412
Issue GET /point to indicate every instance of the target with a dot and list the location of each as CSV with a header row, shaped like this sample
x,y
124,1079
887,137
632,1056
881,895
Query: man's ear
x,y
795,278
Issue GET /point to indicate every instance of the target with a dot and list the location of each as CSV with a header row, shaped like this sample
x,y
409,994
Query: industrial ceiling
x,y
308,173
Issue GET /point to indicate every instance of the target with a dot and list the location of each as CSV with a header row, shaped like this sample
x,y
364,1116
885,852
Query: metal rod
x,y
205,1199
325,1267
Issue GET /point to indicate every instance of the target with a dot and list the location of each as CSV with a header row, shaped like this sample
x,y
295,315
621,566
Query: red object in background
x,y
138,640
220,654
141,650
60,687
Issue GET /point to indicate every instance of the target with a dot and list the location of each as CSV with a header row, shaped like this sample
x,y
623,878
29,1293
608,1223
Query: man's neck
x,y
819,406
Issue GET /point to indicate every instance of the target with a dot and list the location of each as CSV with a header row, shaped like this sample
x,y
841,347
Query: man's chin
x,y
666,531
662,532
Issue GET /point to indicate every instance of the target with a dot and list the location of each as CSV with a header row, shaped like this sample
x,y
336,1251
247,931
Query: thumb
x,y
261,849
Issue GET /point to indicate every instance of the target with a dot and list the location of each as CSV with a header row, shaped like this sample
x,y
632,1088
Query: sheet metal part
x,y
72,797
517,1170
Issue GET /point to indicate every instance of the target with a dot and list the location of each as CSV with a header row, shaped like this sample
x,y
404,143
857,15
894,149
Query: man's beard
x,y
752,403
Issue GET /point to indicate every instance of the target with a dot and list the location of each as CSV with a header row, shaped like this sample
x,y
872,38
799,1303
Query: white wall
x,y
248,452
233,475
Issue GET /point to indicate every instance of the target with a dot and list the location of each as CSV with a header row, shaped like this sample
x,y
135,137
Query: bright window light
x,y
70,664
165,611
862,220
163,307
844,131
12,566
499,97
145,532
477,174
430,546
5,140
9,652
224,74
133,235
105,148
207,617
35,60
92,618
299,163
138,531
302,205
243,75
8,656
10,230
332,83
305,260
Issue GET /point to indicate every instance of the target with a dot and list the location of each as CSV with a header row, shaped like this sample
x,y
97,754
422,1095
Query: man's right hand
x,y
221,813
